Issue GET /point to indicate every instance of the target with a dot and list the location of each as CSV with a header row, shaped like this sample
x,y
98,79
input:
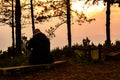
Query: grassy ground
x,y
108,70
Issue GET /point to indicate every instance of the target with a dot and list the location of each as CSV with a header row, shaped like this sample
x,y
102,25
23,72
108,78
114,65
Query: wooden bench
x,y
112,55
27,68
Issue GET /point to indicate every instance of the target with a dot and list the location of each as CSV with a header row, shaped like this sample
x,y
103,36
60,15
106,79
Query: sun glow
x,y
88,9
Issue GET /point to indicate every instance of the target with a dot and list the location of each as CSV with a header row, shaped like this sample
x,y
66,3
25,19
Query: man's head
x,y
36,31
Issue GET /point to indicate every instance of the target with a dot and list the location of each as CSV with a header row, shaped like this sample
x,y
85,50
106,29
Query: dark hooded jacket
x,y
39,45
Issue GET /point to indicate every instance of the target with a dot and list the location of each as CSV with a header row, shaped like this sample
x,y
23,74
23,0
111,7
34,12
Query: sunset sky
x,y
95,30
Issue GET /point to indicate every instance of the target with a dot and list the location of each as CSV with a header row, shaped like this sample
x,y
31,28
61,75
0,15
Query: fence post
x,y
99,51
85,52
89,52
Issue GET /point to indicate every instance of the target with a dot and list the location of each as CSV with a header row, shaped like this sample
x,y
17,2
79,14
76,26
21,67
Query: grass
x,y
13,61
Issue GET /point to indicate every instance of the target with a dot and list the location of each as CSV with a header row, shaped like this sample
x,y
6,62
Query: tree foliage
x,y
43,11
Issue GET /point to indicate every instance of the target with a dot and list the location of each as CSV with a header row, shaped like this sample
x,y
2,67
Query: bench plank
x,y
112,55
27,66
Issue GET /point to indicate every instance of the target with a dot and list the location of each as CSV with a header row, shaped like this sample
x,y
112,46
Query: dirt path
x,y
105,71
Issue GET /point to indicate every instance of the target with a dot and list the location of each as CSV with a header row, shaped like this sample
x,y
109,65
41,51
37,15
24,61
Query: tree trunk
x,y
13,41
32,15
18,27
108,41
68,23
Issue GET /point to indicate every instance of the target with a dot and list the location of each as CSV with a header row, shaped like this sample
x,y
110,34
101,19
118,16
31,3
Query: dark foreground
x,y
108,70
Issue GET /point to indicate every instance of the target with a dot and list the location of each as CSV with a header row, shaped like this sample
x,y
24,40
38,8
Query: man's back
x,y
40,48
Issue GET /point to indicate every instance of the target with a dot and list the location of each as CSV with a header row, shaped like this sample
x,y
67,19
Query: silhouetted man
x,y
39,45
